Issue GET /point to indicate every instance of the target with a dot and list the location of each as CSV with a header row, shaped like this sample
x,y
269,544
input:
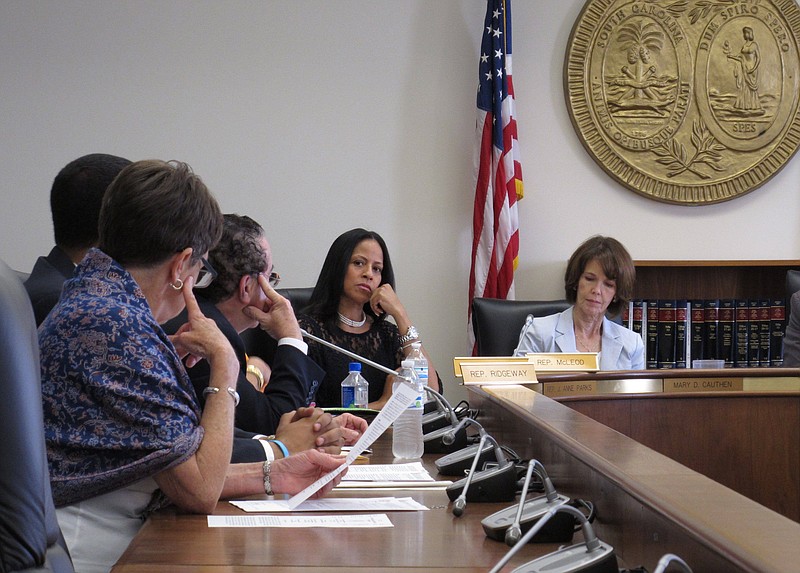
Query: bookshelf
x,y
712,279
734,311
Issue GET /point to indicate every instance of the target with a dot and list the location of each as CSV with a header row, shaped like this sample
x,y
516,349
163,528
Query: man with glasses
x,y
237,278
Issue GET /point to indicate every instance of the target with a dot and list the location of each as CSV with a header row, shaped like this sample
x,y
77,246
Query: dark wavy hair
x,y
154,209
616,263
77,195
237,254
324,302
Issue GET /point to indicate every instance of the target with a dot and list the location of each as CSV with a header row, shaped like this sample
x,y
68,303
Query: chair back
x,y
792,283
259,343
30,539
497,322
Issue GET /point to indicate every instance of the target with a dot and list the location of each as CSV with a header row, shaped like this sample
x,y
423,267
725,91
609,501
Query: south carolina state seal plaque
x,y
686,101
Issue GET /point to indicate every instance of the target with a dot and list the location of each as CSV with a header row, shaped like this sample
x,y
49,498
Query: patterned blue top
x,y
118,404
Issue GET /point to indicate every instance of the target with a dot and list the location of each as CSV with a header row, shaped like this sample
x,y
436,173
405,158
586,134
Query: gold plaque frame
x,y
688,102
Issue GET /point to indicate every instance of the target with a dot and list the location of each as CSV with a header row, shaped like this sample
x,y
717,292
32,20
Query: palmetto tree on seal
x,y
638,39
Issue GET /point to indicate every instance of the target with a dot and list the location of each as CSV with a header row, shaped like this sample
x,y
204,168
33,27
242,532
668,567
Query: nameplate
x,y
559,389
715,384
496,373
564,361
458,361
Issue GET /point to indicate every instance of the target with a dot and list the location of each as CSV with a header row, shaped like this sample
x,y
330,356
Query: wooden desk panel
x,y
747,441
647,504
419,541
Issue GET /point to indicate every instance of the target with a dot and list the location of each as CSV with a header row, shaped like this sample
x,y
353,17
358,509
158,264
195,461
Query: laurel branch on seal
x,y
707,150
702,8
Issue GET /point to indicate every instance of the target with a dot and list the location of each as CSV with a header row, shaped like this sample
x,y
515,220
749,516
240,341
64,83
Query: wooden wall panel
x,y
748,442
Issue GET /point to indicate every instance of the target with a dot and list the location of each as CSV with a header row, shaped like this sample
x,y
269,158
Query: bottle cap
x,y
355,367
416,345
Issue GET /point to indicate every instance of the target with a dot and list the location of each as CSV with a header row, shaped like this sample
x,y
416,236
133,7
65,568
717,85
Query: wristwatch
x,y
411,334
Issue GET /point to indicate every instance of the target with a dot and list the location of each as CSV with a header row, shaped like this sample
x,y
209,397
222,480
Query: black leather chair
x,y
497,322
259,343
30,539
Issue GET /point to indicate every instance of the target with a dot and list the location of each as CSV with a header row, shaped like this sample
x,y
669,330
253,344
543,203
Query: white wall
x,y
315,116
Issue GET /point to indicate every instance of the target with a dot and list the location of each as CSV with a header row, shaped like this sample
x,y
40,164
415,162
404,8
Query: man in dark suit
x,y
75,200
241,297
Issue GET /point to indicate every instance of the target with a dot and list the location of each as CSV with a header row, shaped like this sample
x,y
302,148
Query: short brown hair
x,y
237,254
617,265
154,209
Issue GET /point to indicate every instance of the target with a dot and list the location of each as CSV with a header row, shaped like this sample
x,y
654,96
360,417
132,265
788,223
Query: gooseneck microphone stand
x,y
353,355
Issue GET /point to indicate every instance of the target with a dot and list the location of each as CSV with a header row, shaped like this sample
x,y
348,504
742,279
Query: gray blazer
x,y
622,349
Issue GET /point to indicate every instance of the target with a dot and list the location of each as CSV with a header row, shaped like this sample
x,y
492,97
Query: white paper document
x,y
401,398
396,485
412,471
332,504
362,520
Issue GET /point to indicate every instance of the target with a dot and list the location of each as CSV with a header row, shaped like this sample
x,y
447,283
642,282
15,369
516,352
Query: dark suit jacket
x,y
791,340
46,280
245,448
294,376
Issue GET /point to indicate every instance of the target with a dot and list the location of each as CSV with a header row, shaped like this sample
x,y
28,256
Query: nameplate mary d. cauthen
x,y
686,101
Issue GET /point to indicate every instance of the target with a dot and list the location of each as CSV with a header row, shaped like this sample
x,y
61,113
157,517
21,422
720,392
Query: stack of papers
x,y
390,476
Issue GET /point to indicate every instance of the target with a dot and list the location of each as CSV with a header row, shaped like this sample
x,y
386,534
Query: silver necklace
x,y
586,347
353,323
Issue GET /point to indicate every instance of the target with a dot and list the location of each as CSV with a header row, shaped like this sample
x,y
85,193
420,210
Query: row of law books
x,y
744,333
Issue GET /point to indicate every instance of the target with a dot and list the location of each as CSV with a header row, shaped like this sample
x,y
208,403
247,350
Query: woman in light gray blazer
x,y
599,279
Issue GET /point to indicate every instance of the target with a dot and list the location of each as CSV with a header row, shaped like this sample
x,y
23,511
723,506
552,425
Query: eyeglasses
x,y
206,275
274,279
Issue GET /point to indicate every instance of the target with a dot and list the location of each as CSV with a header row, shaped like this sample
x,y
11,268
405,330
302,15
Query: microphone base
x,y
433,443
559,528
491,485
456,463
574,559
434,421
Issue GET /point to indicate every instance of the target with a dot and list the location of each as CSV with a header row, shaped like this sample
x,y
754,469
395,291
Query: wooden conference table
x,y
419,541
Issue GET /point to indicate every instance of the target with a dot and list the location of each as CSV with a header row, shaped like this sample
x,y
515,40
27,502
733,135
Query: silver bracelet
x,y
232,391
267,484
411,334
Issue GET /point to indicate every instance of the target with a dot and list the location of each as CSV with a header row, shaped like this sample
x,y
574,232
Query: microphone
x,y
434,440
353,355
514,532
509,523
492,484
461,501
457,462
442,416
525,328
591,556
668,558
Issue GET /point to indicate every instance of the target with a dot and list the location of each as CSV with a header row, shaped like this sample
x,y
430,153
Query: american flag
x,y
498,173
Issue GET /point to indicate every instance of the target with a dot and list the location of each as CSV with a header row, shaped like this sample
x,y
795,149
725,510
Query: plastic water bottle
x,y
407,428
362,390
355,388
420,363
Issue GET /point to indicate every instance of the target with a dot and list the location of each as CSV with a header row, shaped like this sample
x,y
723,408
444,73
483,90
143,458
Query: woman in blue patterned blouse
x,y
124,431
